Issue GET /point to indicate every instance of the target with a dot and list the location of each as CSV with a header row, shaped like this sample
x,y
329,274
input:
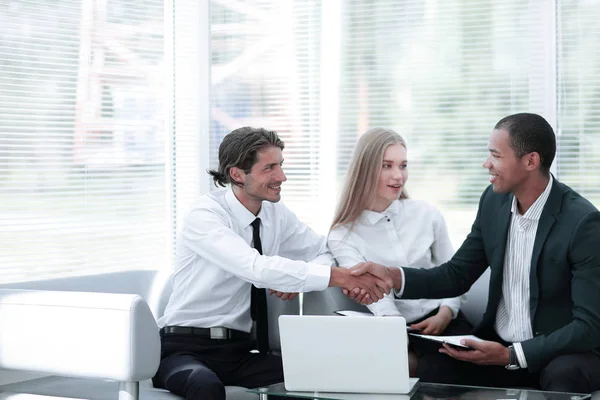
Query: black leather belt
x,y
206,333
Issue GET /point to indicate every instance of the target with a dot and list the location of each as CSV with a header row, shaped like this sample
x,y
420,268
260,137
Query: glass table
x,y
426,391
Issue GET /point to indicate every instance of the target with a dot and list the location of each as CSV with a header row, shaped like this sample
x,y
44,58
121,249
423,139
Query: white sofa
x,y
75,371
155,288
90,335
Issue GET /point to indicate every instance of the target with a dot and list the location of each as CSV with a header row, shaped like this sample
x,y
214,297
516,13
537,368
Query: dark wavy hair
x,y
238,149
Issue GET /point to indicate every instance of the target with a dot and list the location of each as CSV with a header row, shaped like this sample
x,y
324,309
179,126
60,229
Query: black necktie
x,y
258,299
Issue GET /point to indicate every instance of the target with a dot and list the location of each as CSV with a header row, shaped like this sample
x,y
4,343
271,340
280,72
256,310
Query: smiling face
x,y
264,180
392,177
507,172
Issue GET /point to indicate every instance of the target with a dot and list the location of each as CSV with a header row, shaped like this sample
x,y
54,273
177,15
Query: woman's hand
x,y
436,324
283,295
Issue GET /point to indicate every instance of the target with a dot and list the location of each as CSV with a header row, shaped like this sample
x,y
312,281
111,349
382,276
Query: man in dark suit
x,y
541,240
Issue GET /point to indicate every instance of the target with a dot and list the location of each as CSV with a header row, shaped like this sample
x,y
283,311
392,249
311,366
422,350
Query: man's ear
x,y
532,160
237,175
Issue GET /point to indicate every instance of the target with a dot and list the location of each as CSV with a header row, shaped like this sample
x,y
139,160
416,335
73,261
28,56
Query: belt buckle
x,y
219,332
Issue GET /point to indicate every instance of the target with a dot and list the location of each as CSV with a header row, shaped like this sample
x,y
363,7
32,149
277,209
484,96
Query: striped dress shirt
x,y
513,319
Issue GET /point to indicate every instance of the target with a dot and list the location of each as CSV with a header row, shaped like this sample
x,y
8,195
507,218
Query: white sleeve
x,y
400,291
347,254
442,251
207,234
300,242
520,355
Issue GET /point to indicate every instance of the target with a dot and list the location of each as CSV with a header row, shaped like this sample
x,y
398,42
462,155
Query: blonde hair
x,y
360,184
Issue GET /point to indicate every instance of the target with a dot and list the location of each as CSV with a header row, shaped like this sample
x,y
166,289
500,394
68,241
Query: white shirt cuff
x,y
385,306
520,355
398,293
317,277
386,311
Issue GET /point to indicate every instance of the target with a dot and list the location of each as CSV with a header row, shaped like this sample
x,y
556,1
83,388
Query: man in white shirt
x,y
541,240
235,243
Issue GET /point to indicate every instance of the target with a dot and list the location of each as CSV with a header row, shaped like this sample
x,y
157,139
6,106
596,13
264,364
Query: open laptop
x,y
345,354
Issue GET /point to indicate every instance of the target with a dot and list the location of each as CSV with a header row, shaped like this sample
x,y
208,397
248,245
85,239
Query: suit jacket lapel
x,y
497,264
547,220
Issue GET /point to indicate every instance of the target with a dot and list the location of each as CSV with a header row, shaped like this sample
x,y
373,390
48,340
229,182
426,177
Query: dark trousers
x,y
575,373
199,369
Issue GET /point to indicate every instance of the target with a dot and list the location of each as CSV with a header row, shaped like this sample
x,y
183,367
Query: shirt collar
x,y
241,213
374,217
535,211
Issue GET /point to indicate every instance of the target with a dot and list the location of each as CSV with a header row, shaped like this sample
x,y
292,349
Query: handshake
x,y
366,283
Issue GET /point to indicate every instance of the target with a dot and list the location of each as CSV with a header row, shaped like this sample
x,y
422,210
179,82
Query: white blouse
x,y
409,234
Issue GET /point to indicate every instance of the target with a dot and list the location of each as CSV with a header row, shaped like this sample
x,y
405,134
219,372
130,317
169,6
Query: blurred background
x,y
112,110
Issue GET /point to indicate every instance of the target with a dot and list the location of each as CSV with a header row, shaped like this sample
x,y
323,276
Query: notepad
x,y
352,313
451,340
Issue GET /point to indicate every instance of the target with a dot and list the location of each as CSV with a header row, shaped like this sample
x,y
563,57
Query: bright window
x,y
578,42
111,113
441,73
82,137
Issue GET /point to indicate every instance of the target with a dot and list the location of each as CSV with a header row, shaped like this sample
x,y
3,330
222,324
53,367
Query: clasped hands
x,y
365,283
283,295
370,281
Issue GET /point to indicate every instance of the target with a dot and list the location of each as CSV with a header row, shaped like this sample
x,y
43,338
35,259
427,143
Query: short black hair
x,y
530,133
239,148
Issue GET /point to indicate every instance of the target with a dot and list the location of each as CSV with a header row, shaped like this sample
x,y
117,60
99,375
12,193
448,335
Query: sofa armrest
x,y
80,334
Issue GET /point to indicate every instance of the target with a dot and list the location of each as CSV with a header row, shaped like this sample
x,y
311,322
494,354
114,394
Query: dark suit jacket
x,y
564,278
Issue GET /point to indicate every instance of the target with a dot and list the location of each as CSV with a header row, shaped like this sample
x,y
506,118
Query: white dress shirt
x,y
409,232
513,319
216,265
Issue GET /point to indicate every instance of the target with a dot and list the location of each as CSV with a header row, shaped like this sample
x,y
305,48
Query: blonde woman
x,y
376,221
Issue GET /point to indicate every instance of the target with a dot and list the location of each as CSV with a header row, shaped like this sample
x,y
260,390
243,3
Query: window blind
x,y
91,179
82,163
440,73
191,62
265,73
578,39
